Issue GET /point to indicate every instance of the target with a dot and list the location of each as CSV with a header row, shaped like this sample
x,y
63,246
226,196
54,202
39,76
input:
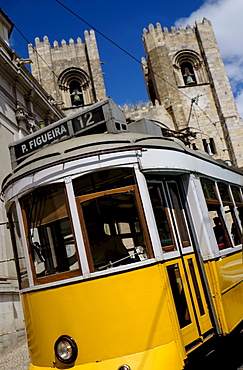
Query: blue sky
x,y
123,22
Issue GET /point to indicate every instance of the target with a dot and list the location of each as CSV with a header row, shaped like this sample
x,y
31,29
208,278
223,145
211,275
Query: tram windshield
x,y
112,218
49,232
113,228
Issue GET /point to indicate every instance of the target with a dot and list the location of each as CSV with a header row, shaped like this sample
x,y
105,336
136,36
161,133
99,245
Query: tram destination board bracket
x,y
97,118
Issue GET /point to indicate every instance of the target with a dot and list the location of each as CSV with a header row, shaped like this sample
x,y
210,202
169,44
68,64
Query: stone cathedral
x,y
189,92
71,72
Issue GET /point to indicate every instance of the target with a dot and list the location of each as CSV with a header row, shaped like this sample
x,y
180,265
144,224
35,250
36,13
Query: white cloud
x,y
226,18
239,101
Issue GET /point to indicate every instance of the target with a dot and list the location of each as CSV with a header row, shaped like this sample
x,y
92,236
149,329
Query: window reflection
x,y
49,232
179,213
169,214
162,217
222,208
103,180
196,286
239,205
114,230
179,295
230,217
215,214
18,248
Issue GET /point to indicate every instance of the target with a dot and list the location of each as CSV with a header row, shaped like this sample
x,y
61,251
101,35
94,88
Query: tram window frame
x,y
217,203
105,179
230,216
180,216
176,214
164,204
179,295
133,189
56,275
238,200
18,248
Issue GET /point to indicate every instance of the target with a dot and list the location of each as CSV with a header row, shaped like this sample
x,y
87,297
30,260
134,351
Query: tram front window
x,y
113,228
49,232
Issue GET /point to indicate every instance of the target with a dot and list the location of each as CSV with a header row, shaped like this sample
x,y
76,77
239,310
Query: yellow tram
x,y
127,244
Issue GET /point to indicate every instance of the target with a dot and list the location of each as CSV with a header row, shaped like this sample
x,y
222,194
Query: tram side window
x,y
179,214
215,214
18,249
237,195
230,216
49,233
162,217
169,211
114,230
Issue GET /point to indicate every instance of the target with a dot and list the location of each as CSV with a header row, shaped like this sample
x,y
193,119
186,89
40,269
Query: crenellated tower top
x,y
70,71
157,35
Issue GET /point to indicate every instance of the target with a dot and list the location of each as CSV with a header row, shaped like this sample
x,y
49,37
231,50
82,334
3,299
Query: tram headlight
x,y
66,349
124,367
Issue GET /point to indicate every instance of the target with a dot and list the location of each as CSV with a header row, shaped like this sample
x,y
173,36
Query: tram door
x,y
182,268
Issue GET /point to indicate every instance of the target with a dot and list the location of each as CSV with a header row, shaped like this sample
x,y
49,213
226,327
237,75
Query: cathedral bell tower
x,y
184,72
70,73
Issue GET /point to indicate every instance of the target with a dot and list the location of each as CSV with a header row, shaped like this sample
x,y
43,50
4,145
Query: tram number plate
x,y
88,119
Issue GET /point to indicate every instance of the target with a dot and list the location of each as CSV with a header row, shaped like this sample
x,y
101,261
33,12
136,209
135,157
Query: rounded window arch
x,y
189,68
75,86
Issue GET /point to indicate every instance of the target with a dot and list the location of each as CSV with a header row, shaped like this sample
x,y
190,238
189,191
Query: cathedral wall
x,y
58,67
214,111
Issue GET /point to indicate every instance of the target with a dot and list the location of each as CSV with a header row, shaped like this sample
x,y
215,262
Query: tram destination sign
x,y
97,118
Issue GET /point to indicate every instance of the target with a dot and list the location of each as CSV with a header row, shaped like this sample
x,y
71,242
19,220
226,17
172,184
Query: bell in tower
x,y
188,76
76,94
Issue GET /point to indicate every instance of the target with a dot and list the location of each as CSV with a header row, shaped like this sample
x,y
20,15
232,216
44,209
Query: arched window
x,y
75,86
189,68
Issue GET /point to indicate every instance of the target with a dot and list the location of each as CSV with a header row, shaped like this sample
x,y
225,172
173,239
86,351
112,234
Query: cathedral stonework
x,y
71,73
184,73
185,77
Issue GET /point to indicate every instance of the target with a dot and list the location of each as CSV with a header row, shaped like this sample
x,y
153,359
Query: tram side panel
x,y
121,316
128,316
225,278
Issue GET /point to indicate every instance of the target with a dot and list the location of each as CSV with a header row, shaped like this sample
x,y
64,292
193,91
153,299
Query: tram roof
x,y
87,146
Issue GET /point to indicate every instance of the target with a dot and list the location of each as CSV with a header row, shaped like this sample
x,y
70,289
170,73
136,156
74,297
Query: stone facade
x,y
185,77
69,71
24,106
185,74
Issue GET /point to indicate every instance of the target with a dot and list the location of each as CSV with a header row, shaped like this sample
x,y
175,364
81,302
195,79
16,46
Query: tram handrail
x,y
110,264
